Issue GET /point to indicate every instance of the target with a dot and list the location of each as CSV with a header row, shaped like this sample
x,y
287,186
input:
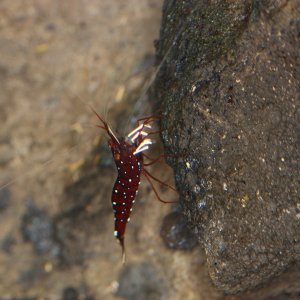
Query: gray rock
x,y
229,90
38,228
176,234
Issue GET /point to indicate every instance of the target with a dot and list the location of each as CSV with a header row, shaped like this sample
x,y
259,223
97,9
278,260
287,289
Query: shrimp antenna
x,y
105,126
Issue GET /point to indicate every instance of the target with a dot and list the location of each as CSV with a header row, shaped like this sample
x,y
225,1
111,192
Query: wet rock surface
x,y
176,234
229,90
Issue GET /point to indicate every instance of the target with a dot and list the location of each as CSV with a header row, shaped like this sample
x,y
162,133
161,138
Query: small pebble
x,y
70,293
176,234
38,228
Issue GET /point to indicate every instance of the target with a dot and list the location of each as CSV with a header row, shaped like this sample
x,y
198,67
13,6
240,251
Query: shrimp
x,y
129,160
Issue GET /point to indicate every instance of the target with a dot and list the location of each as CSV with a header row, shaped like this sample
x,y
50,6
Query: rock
x,y
176,234
38,228
70,293
229,91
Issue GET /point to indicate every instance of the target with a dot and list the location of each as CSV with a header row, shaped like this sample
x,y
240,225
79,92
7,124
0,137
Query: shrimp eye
x,y
117,156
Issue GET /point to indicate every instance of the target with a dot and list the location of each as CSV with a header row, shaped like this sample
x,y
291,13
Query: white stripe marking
x,y
143,146
135,130
112,133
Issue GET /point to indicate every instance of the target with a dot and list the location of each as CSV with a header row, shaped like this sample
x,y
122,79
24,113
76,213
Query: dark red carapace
x,y
128,156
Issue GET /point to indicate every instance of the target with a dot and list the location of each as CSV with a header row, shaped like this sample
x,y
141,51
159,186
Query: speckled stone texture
x,y
229,91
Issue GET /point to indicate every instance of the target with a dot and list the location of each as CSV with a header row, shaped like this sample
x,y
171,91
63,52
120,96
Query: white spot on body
x,y
115,233
129,180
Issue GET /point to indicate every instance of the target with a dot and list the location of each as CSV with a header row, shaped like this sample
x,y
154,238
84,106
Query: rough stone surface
x,y
229,90
176,234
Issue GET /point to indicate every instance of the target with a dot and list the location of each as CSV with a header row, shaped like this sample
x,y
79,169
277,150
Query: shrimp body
x,y
128,157
129,166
